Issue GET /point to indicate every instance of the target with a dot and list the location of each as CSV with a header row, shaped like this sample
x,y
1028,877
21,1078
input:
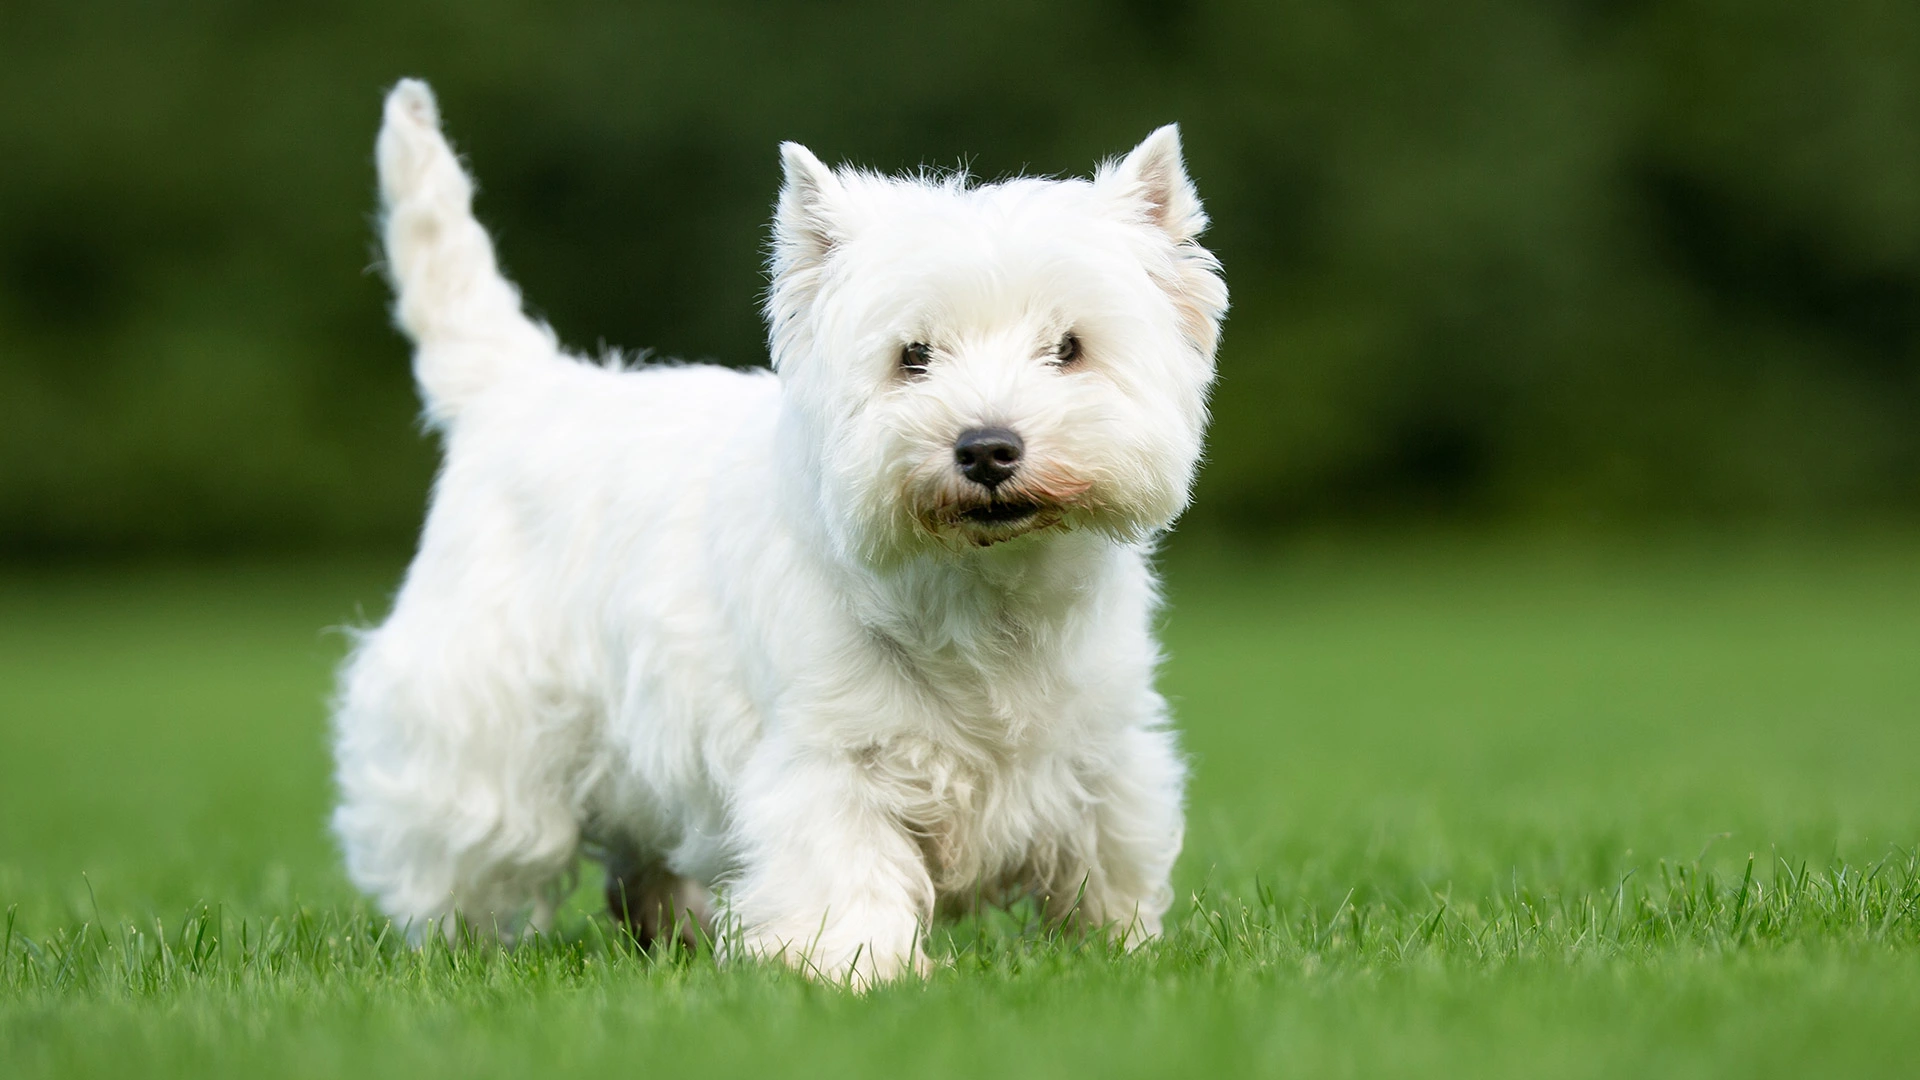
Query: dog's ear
x,y
1151,184
1154,178
805,230
803,226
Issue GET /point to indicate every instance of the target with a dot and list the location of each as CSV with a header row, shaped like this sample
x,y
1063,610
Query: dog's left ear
x,y
1154,176
1151,184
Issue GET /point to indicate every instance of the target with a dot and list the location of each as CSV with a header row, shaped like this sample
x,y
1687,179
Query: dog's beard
x,y
1038,498
902,497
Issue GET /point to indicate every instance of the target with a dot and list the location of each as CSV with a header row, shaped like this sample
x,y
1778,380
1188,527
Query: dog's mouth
x,y
1000,513
1036,502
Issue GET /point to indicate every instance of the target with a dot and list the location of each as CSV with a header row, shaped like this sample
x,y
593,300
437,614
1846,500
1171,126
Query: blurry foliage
x,y
1577,259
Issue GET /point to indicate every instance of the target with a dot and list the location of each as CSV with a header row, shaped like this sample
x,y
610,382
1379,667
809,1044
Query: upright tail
x,y
464,317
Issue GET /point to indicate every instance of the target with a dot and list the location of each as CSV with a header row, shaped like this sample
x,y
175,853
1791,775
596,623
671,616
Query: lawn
x,y
1489,809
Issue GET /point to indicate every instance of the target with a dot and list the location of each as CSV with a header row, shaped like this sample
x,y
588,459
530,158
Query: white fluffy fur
x,y
733,626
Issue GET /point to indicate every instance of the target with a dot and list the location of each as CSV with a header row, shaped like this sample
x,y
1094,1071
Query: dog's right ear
x,y
804,229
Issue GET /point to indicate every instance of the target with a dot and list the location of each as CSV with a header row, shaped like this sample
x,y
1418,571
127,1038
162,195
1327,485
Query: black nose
x,y
987,456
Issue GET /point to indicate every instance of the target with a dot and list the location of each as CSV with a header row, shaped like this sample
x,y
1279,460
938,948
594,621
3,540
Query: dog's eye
x,y
1067,351
915,358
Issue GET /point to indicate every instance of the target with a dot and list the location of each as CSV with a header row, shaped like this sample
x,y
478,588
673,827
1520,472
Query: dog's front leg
x,y
1137,824
830,880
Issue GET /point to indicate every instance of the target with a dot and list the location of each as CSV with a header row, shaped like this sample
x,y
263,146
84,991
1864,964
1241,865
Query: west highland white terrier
x,y
810,654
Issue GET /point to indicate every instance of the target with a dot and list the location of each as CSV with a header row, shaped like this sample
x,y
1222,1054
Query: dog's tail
x,y
463,316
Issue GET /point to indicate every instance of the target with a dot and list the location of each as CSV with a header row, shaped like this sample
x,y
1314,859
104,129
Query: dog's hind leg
x,y
453,302
455,808
654,904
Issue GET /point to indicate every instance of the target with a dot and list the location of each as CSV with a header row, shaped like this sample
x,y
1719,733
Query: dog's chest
x,y
976,776
978,760
975,816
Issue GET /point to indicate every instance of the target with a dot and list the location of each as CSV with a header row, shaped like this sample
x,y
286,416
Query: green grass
x,y
1471,810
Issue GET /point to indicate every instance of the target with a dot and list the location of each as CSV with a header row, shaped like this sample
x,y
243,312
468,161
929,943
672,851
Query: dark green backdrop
x,y
1585,260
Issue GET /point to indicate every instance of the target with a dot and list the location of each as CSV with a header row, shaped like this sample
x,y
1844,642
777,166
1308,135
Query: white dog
x,y
849,642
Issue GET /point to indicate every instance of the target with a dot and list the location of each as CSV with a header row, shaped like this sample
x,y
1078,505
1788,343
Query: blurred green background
x,y
1557,537
1598,262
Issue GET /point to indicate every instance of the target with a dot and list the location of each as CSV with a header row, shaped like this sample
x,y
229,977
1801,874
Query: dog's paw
x,y
860,967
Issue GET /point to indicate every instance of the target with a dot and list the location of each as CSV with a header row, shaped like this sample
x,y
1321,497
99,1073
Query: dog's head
x,y
966,364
